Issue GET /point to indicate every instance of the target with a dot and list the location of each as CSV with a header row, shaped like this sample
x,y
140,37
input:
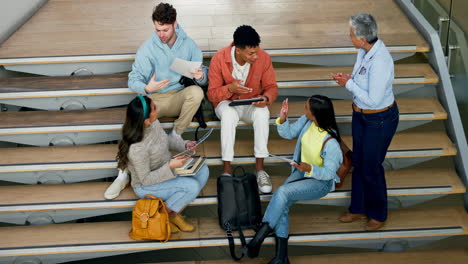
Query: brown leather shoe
x,y
373,224
349,217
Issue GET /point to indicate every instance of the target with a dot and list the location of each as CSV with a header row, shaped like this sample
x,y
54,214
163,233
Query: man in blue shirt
x,y
152,76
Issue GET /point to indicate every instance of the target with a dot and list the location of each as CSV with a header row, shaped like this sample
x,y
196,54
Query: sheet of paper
x,y
203,138
184,67
290,161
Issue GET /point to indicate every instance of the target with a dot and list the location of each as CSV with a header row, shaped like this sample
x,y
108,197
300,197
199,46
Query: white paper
x,y
203,138
290,161
184,67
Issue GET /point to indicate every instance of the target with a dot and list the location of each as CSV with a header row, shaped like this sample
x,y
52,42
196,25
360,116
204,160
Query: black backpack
x,y
238,206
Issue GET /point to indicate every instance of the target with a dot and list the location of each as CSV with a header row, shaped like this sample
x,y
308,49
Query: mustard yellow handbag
x,y
150,220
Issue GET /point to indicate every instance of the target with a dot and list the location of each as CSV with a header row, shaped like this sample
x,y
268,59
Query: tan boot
x,y
349,217
180,222
174,228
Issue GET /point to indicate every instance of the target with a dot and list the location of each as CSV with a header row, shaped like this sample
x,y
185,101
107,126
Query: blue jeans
x,y
177,192
276,214
372,134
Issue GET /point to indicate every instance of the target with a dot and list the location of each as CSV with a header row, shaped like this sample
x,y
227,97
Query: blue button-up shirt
x,y
371,82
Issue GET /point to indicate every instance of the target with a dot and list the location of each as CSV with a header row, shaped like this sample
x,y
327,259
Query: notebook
x,y
191,166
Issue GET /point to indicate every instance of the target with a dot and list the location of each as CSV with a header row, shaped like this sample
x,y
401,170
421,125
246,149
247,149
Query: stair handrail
x,y
445,91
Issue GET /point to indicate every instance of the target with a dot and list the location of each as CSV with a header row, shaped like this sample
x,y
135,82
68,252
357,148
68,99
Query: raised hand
x,y
154,86
178,162
197,74
237,88
284,111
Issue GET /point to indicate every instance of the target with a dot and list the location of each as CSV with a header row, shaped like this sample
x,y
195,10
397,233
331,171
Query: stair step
x,y
296,77
457,256
29,198
404,144
20,87
211,28
104,120
320,227
115,84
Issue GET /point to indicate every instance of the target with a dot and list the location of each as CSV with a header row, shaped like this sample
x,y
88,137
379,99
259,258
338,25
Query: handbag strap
x,y
163,207
149,196
344,149
325,142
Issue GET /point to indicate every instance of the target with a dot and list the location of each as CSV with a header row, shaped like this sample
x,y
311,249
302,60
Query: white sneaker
x,y
115,188
263,181
175,135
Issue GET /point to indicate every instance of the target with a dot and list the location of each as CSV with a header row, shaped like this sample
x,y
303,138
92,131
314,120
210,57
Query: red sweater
x,y
261,78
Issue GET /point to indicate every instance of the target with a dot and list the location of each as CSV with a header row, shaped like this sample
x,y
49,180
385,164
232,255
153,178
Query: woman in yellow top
x,y
313,172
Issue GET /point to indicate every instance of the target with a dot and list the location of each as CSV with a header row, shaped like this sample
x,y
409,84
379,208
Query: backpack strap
x,y
232,246
200,117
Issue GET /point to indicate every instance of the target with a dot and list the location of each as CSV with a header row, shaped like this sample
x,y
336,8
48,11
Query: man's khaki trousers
x,y
183,104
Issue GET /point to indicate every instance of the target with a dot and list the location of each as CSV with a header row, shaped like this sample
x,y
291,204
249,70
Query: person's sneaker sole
x,y
265,189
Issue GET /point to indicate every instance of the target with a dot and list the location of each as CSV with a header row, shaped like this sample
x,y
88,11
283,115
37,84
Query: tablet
x,y
245,101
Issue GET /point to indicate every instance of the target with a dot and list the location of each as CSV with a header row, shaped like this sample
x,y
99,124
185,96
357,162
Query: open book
x,y
191,166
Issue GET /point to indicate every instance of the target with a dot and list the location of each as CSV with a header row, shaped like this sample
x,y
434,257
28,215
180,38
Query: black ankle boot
x,y
281,251
253,247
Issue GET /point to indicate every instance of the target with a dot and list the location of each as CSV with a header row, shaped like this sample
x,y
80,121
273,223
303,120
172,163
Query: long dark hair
x,y
322,108
132,130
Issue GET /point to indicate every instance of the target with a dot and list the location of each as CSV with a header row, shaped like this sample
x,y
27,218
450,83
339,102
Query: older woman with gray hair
x,y
375,119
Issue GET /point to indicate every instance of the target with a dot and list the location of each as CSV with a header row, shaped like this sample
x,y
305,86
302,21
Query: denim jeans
x,y
177,192
372,134
276,214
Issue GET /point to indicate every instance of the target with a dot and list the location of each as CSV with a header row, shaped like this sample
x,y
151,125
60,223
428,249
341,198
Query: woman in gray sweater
x,y
145,152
